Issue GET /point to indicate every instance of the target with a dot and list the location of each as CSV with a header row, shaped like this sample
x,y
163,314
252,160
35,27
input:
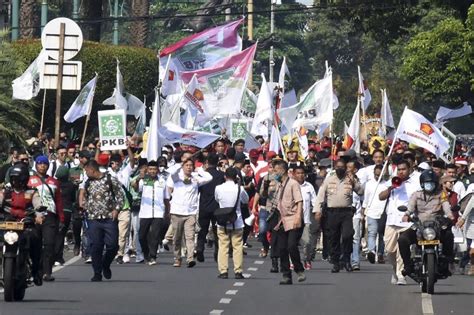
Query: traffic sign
x,y
73,38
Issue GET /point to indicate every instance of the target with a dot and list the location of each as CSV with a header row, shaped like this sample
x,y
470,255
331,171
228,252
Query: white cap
x,y
424,166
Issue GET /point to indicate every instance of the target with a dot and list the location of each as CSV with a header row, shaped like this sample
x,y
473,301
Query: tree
x,y
139,28
28,18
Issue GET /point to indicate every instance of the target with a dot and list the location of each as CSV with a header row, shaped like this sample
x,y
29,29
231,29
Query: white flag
x,y
193,103
171,133
83,104
363,91
26,86
153,146
346,128
386,114
447,113
351,140
314,108
284,71
416,129
275,139
264,113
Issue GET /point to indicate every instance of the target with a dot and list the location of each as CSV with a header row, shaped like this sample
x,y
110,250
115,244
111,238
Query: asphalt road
x,y
162,289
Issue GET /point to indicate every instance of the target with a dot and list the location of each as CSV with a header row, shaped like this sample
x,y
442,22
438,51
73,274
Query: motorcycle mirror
x,y
402,208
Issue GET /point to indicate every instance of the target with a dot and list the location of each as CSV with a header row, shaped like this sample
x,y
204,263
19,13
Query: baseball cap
x,y
271,155
447,178
253,154
85,154
42,159
239,157
460,160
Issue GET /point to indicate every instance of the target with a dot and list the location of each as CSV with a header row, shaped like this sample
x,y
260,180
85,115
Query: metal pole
x,y
272,30
250,35
15,19
116,24
75,9
59,86
44,13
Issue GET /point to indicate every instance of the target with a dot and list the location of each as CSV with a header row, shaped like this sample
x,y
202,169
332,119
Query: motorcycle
x,y
15,262
429,264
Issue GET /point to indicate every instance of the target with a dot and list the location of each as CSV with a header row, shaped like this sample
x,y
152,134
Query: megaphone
x,y
249,220
396,182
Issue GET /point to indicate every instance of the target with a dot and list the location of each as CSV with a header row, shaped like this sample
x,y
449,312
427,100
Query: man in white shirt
x,y
183,184
373,209
228,195
367,173
311,226
398,194
154,206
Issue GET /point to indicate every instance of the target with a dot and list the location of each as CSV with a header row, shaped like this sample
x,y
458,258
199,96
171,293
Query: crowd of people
x,y
119,207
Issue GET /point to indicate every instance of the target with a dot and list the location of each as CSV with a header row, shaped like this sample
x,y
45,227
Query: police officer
x,y
336,195
426,204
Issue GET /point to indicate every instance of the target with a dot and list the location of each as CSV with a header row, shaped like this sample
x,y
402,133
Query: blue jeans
x,y
372,231
355,257
263,228
103,232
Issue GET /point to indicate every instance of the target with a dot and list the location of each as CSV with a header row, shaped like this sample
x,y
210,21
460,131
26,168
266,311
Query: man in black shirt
x,y
207,206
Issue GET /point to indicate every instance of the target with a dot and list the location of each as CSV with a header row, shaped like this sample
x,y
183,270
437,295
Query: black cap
x,y
239,157
325,162
239,141
85,154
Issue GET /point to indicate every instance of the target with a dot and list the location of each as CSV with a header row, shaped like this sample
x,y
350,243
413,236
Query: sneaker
x,y
401,281
140,261
307,265
96,278
356,267
380,259
107,273
224,275
177,263
88,260
191,264
57,263
394,279
286,281
200,256
301,276
152,262
239,275
48,278
119,260
126,259
371,257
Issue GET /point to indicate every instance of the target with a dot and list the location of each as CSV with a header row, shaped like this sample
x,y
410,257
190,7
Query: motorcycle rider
x,y
426,204
15,201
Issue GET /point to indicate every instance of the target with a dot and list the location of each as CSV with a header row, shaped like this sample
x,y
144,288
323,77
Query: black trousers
x,y
325,235
76,228
149,236
205,219
100,233
408,237
341,232
59,246
288,247
48,233
30,242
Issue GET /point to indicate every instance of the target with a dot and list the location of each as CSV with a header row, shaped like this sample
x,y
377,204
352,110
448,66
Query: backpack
x,y
228,215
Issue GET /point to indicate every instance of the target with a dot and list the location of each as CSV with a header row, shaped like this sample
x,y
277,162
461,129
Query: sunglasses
x,y
25,160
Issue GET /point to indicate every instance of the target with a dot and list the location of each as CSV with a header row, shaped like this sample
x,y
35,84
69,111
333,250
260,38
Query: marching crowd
x,y
118,207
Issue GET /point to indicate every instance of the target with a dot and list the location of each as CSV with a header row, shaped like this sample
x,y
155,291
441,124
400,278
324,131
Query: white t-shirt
x,y
400,197
153,193
372,195
226,195
123,175
459,189
365,174
357,204
309,201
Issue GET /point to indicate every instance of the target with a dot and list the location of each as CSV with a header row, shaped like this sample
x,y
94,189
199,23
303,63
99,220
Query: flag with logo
x,y
198,51
363,91
248,106
193,104
223,85
264,112
83,104
386,115
315,107
416,129
171,133
26,86
351,140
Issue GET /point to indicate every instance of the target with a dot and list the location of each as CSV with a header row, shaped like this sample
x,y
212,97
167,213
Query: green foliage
x,y
139,67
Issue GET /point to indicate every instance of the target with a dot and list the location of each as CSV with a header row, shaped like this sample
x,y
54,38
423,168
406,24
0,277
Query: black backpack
x,y
228,215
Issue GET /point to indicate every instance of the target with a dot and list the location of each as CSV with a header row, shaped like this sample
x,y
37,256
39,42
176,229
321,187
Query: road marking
x,y
247,275
67,263
225,301
216,312
239,284
426,304
232,292
252,269
259,262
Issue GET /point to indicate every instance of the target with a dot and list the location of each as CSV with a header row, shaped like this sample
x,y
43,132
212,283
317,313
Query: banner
x,y
223,84
172,133
198,51
416,129
112,133
264,112
83,104
26,86
238,129
248,106
448,155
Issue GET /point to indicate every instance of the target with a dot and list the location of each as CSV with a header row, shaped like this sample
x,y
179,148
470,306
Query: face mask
x,y
277,177
161,169
429,186
340,172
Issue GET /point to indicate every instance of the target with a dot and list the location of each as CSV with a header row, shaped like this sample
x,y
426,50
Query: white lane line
x,y
231,292
239,284
252,269
247,275
259,262
427,304
67,263
225,301
216,312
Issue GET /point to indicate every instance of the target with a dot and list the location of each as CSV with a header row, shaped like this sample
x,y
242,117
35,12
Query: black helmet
x,y
20,172
429,176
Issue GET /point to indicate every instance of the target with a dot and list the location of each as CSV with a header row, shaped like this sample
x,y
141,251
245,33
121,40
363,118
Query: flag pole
x,y
42,111
84,132
386,160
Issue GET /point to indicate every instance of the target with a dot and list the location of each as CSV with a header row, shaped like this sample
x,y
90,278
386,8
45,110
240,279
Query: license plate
x,y
12,226
433,242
